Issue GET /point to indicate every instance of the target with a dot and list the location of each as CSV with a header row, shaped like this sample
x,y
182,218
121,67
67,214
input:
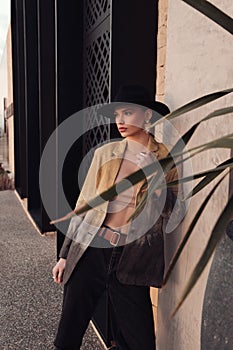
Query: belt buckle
x,y
118,238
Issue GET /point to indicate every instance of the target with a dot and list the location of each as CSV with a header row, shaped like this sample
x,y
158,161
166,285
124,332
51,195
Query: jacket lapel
x,y
159,151
153,146
113,163
114,159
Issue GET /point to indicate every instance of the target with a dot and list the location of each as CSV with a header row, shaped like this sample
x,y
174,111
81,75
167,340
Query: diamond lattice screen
x,y
95,12
96,71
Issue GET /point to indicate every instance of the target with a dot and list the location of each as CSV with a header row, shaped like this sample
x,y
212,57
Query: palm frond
x,y
218,112
166,163
213,13
134,178
199,102
210,176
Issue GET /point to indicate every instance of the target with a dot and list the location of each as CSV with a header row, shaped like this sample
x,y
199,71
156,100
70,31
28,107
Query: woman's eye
x,y
128,113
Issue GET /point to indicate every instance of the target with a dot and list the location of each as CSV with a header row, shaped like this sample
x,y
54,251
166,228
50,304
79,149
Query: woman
x,y
134,259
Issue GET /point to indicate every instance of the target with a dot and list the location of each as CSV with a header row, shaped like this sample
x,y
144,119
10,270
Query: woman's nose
x,y
120,119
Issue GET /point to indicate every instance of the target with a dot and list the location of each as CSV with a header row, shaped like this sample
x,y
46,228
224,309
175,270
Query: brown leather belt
x,y
114,237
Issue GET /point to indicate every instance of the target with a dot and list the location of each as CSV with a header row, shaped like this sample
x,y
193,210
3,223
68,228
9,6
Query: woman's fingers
x,y
60,274
58,271
143,159
55,274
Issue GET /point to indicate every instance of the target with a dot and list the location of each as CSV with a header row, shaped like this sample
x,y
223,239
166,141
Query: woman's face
x,y
130,120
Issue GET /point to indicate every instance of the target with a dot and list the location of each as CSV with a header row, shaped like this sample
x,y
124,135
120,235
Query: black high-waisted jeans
x,y
131,310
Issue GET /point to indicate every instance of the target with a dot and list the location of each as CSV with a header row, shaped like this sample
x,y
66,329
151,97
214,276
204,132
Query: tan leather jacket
x,y
142,259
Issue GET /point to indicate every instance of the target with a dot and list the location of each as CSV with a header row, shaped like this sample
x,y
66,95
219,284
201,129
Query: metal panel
x,y
69,51
34,96
32,107
20,123
96,71
95,12
47,88
96,90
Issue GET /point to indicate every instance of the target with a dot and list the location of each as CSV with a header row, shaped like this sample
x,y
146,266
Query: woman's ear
x,y
148,114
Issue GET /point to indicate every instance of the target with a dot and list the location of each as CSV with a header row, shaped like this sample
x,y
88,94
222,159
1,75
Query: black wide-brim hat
x,y
136,95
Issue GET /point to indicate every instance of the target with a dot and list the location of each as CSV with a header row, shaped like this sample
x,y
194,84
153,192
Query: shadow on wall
x,y
216,330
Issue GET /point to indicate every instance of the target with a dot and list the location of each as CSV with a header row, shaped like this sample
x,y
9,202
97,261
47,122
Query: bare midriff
x,y
122,206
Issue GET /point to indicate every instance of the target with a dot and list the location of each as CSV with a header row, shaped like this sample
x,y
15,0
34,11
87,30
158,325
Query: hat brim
x,y
159,109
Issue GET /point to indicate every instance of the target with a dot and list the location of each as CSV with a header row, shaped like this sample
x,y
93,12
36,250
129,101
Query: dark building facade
x,y
68,56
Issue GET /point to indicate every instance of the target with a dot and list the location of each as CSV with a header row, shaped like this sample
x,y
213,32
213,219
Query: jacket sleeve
x,y
175,208
172,192
174,197
72,229
88,191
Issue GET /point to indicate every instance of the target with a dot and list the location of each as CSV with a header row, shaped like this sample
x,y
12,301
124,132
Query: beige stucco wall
x,y
199,56
3,84
160,86
6,91
161,49
10,101
9,66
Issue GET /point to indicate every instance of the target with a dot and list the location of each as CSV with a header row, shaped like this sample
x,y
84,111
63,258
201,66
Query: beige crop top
x,y
122,206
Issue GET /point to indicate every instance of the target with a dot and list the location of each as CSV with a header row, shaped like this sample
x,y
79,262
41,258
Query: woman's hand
x,y
58,270
143,159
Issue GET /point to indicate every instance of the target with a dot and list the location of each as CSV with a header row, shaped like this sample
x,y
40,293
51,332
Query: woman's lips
x,y
122,129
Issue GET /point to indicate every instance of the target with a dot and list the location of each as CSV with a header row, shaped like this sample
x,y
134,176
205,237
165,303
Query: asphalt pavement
x,y
30,302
